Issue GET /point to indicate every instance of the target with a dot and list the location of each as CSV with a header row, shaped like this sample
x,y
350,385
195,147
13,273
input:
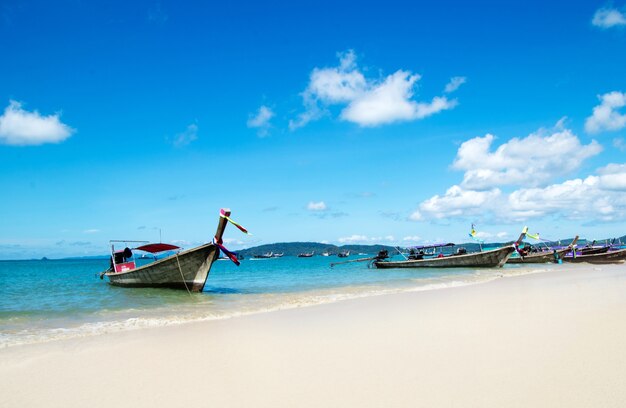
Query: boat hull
x,y
488,259
609,257
192,273
539,258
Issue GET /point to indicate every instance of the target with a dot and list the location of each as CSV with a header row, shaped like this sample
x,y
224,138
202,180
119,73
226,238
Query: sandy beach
x,y
541,340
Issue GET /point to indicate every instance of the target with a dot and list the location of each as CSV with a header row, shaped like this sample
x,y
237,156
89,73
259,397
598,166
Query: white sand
x,y
556,339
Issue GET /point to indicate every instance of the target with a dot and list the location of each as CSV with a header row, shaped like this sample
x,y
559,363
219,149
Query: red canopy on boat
x,y
154,248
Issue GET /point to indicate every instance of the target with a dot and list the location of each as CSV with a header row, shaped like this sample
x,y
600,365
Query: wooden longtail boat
x,y
609,257
486,259
592,250
184,270
494,258
543,257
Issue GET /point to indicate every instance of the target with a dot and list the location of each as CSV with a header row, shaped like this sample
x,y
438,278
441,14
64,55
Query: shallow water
x,y
48,300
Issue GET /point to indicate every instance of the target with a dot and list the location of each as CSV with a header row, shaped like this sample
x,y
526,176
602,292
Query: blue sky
x,y
342,122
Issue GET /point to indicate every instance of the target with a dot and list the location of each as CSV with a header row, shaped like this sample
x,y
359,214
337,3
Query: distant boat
x,y
264,256
343,254
326,253
618,256
306,254
183,270
278,255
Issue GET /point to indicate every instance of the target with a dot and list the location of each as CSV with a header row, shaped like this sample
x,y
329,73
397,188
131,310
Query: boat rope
x,y
182,276
400,252
239,226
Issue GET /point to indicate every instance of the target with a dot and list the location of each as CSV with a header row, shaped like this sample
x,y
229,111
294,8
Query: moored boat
x,y
264,256
618,256
343,254
183,270
306,254
494,258
485,259
551,255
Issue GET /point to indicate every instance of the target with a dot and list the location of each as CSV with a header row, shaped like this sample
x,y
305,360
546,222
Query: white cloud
x,y
529,161
391,101
19,127
319,206
608,17
369,102
619,143
364,239
261,120
454,84
605,117
91,231
412,238
354,239
186,137
233,241
456,202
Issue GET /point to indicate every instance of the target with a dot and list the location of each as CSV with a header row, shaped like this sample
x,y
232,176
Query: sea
x,y
50,300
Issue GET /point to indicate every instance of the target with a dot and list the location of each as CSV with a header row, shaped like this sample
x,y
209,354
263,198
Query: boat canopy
x,y
155,248
433,246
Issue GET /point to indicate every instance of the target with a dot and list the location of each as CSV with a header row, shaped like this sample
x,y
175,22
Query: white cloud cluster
x,y
364,239
455,202
605,116
19,127
186,137
316,206
601,195
608,17
261,120
368,102
529,161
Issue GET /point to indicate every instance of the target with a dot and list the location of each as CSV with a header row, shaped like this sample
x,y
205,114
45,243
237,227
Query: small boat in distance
x,y
343,254
278,255
325,253
306,254
264,256
181,270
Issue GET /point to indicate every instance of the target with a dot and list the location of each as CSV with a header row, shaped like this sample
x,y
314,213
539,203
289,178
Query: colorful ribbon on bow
x,y
535,236
242,229
226,252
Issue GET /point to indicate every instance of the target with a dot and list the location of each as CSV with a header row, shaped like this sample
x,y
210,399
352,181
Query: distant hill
x,y
295,248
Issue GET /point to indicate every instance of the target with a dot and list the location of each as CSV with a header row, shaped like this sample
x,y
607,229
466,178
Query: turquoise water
x,y
47,300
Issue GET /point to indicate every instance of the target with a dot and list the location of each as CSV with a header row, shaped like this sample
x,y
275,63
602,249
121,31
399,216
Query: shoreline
x,y
539,339
86,327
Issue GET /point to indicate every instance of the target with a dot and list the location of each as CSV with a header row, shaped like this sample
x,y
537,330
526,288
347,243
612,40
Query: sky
x,y
343,122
